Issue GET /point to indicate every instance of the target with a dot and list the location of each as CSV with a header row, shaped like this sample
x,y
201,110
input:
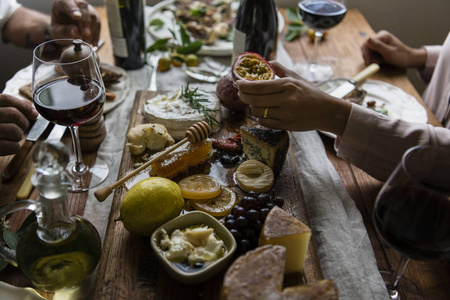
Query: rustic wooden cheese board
x,y
128,268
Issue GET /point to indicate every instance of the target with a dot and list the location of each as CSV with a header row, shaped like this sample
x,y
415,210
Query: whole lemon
x,y
149,204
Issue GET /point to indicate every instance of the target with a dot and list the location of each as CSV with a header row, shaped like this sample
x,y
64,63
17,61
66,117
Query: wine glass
x,y
68,90
319,15
412,210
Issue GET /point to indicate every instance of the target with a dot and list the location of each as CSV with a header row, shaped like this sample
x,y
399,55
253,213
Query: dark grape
x,y
263,200
247,218
229,217
229,160
246,245
241,222
236,234
258,226
253,194
253,215
278,201
248,233
230,224
239,211
198,265
263,213
250,203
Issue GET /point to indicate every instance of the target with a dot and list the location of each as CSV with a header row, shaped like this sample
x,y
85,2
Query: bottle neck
x,y
55,222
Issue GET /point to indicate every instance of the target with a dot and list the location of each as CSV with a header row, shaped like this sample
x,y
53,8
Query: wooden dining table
x,y
343,44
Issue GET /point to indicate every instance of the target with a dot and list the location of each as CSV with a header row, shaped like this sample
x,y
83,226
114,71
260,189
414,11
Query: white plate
x,y
219,48
120,89
397,102
10,292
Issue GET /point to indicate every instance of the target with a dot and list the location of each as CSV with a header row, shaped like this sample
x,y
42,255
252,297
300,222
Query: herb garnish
x,y
194,99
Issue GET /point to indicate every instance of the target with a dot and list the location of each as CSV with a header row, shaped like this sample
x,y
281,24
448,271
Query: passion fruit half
x,y
252,66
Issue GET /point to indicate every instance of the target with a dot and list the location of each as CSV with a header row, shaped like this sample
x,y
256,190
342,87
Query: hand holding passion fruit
x,y
247,66
292,103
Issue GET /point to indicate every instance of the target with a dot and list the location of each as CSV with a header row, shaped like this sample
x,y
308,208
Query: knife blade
x,y
350,85
35,132
25,189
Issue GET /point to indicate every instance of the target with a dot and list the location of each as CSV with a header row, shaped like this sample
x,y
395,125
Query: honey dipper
x,y
195,134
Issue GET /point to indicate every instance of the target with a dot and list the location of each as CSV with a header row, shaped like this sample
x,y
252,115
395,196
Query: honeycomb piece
x,y
182,159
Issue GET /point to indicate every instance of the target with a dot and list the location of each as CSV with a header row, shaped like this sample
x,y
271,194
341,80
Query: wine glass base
x,y
314,72
91,177
411,290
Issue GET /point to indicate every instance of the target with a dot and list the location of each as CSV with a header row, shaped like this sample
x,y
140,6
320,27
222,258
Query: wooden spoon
x,y
195,134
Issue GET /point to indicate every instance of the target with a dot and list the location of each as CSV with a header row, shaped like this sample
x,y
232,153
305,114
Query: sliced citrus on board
x,y
200,186
218,206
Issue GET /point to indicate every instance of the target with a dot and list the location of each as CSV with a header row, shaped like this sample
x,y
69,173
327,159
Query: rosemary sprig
x,y
194,99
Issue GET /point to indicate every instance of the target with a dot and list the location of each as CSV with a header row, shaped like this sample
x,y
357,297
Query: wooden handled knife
x,y
14,165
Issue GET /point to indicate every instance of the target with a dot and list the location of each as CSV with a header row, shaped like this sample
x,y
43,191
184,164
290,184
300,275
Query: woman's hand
x,y
291,103
14,120
385,48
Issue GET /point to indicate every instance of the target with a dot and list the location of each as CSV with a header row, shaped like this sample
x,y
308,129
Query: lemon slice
x,y
200,186
218,206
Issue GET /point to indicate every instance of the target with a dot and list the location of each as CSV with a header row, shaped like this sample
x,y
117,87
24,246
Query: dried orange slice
x,y
200,186
218,206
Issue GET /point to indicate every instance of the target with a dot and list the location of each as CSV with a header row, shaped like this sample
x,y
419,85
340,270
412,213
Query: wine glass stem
x,y
317,39
79,167
395,278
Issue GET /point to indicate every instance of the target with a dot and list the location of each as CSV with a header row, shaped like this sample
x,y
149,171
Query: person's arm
x,y
376,143
26,27
74,19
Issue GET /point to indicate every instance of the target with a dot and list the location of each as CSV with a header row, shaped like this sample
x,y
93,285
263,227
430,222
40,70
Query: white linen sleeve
x,y
426,72
7,8
376,143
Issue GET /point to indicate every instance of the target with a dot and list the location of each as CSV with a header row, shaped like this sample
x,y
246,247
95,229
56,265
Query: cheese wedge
x,y
256,275
281,228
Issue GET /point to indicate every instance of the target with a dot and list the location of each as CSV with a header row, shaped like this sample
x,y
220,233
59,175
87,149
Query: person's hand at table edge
x,y
14,120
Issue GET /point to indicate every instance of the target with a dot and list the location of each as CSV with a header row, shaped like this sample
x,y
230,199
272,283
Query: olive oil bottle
x,y
59,250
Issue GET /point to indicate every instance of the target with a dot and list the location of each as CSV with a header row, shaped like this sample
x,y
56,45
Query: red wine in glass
x,y
85,100
322,15
412,212
319,15
415,223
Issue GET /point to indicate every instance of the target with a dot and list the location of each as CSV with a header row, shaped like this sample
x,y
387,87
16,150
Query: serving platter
x,y
160,11
396,102
128,267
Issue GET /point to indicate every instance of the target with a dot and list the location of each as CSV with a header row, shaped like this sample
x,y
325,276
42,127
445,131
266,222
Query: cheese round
x,y
172,111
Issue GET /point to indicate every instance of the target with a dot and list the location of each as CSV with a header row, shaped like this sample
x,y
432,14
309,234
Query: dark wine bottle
x,y
256,28
126,25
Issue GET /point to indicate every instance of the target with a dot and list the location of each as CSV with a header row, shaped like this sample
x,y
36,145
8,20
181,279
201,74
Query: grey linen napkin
x,y
344,249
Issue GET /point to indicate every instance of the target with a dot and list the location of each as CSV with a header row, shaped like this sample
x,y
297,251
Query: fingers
x,y
8,147
95,25
84,24
10,137
16,108
75,19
